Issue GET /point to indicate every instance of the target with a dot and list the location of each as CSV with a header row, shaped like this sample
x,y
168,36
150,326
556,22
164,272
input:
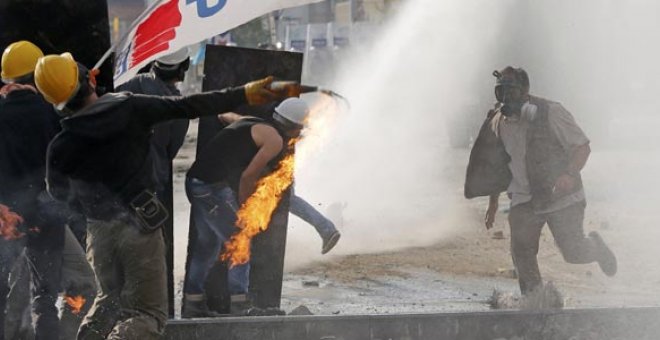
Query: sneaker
x,y
330,242
606,259
197,309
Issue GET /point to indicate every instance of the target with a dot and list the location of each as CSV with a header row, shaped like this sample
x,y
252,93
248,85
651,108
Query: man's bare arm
x,y
229,117
493,204
567,181
270,144
578,159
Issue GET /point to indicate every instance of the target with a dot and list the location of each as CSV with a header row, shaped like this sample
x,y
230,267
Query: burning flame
x,y
255,214
9,221
321,123
76,303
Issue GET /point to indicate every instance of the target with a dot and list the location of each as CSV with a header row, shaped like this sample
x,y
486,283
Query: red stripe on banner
x,y
158,44
155,32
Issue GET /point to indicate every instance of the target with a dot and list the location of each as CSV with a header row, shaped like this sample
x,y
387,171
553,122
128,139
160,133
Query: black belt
x,y
216,185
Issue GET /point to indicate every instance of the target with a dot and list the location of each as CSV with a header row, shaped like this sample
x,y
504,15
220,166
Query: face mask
x,y
510,98
511,108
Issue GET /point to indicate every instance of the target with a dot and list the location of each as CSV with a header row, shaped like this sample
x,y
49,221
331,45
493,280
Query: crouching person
x,y
222,177
101,160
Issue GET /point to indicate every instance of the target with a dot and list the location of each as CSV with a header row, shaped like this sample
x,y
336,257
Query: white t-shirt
x,y
513,132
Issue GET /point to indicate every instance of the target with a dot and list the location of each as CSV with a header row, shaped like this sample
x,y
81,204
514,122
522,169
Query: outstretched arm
x,y
153,109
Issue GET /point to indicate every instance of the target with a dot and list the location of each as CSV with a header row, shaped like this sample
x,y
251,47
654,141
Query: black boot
x,y
605,256
240,304
196,308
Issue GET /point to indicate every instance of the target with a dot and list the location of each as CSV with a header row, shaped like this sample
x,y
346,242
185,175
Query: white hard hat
x,y
293,110
173,59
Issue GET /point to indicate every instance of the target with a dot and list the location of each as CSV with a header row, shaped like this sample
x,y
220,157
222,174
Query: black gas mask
x,y
511,99
511,88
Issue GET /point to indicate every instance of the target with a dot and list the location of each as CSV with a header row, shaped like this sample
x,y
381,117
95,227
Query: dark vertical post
x,y
268,250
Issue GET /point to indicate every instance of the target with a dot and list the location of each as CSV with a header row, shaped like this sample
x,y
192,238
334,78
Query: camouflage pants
x,y
129,265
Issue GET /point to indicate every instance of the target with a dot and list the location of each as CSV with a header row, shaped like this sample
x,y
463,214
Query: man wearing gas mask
x,y
533,149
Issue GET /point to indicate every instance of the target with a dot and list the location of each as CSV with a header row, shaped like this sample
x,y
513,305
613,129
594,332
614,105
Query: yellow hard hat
x,y
19,59
56,77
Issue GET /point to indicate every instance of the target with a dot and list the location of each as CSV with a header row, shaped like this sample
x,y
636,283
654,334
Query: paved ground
x,y
449,266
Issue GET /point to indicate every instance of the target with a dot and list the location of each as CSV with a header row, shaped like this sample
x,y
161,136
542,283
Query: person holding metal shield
x,y
297,205
222,178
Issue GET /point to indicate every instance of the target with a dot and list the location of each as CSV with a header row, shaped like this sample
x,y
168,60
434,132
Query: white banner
x,y
168,25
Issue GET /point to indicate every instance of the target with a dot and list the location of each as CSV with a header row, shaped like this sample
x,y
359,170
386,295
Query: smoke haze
x,y
389,158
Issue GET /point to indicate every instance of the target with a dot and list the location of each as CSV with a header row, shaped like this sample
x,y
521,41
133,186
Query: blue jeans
x,y
309,214
214,210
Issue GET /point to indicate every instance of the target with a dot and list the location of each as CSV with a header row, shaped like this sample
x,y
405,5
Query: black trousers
x,y
566,226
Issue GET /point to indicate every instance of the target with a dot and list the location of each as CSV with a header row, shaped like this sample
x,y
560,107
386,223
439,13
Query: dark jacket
x,y
102,156
168,137
488,171
27,124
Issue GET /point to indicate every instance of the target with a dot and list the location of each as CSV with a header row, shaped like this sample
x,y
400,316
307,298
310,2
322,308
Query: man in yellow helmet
x,y
102,160
27,124
18,62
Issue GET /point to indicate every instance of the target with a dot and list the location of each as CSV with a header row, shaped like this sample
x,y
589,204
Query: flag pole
x,y
135,23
